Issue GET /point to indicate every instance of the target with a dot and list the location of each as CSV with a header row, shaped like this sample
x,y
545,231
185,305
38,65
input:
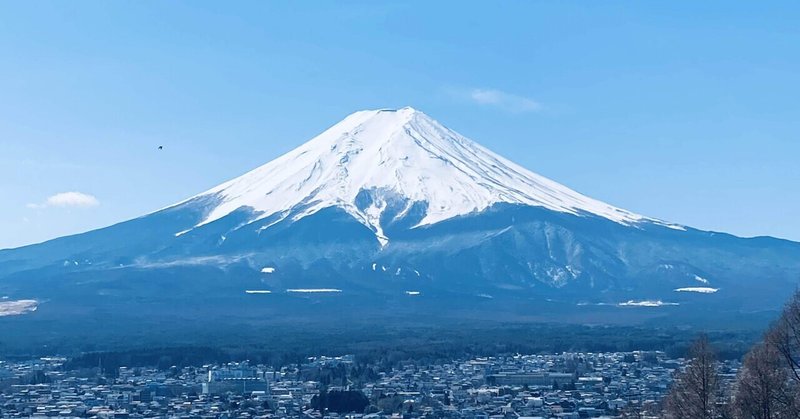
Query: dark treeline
x,y
162,358
340,401
390,347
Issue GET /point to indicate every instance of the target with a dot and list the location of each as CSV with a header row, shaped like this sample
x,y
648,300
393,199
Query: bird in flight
x,y
161,147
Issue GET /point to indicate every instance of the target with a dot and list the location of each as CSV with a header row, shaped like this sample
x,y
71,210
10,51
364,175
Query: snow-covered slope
x,y
397,155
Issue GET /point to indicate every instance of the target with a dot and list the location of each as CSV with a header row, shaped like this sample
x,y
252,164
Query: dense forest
x,y
388,347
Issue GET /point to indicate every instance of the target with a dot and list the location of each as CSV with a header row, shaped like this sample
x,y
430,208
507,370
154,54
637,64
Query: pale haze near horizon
x,y
683,112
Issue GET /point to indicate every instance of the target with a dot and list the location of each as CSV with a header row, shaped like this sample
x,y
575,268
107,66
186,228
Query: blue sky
x,y
685,111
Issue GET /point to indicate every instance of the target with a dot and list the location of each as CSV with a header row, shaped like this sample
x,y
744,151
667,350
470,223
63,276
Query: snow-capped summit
x,y
400,154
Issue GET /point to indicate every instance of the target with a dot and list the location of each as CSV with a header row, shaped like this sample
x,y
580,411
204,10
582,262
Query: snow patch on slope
x,y
312,290
702,290
645,303
17,307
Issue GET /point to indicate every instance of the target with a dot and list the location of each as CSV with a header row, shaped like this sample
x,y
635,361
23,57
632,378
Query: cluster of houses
x,y
568,385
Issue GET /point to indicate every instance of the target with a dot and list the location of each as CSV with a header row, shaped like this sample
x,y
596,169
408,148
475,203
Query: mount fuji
x,y
390,214
385,165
